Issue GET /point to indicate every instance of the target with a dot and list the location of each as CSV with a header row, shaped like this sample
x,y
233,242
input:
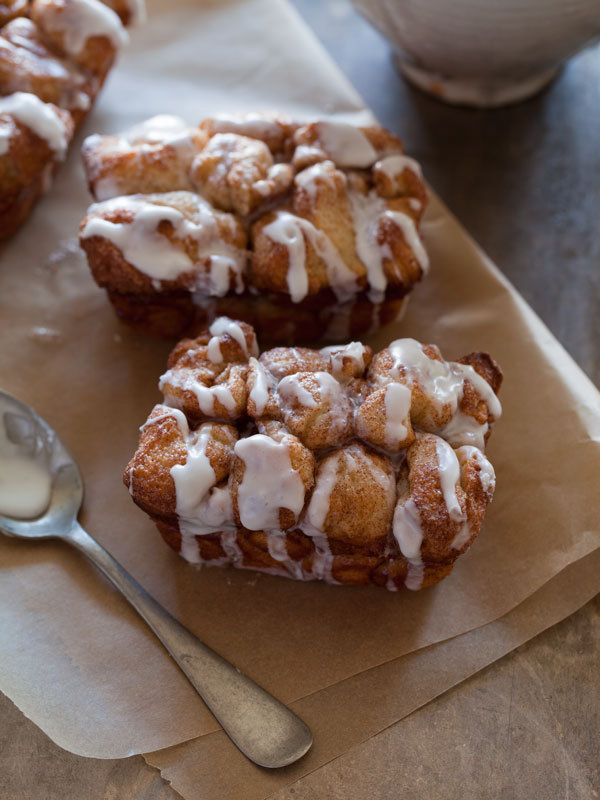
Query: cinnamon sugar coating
x,y
331,213
315,464
54,58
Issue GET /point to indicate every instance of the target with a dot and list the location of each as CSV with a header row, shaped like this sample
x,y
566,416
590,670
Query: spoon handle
x,y
264,730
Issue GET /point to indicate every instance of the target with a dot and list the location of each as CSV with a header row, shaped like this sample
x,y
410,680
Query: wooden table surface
x,y
525,182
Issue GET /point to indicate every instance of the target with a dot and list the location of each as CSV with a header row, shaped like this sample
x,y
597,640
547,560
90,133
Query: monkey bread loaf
x,y
309,232
332,464
54,58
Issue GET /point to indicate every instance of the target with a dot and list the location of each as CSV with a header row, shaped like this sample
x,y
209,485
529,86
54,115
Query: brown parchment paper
x,y
356,709
107,688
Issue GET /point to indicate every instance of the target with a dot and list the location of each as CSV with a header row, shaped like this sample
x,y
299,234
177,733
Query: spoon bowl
x,y
265,730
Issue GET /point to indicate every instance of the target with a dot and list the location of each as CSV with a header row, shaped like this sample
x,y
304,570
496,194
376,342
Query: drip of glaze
x,y
318,508
250,124
290,389
310,178
195,477
81,20
411,237
269,482
290,231
443,382
224,325
409,535
259,394
155,254
397,413
355,351
205,395
449,474
394,165
160,129
39,117
345,144
487,475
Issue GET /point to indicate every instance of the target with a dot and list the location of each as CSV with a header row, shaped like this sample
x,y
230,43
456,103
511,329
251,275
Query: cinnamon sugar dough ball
x,y
353,499
162,445
271,475
236,173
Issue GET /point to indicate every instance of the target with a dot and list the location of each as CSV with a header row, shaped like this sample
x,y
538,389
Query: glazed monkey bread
x,y
331,464
54,58
307,231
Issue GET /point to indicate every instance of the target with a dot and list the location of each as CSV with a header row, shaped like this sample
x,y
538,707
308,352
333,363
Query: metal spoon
x,y
264,730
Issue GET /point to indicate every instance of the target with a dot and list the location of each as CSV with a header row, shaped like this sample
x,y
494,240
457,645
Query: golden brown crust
x,y
25,169
321,234
35,59
365,491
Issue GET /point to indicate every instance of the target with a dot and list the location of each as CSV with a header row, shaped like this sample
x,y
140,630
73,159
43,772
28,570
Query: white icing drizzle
x,y
40,117
486,472
160,129
224,325
443,382
194,478
310,178
411,236
174,413
394,165
367,212
7,129
289,230
259,394
82,19
462,537
355,351
408,533
277,545
155,254
313,523
269,483
250,124
213,514
449,474
415,203
205,395
397,413
345,144
322,559
290,389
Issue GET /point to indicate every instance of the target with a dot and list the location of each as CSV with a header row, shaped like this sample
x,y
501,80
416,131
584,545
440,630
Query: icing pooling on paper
x,y
289,230
159,257
269,482
40,117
